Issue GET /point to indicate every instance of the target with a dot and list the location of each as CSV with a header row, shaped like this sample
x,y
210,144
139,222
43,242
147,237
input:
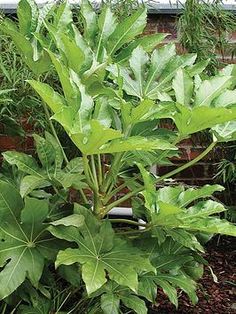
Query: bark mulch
x,y
214,298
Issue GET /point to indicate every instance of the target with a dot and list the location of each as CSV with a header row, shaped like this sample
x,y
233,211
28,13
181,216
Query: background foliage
x,y
204,28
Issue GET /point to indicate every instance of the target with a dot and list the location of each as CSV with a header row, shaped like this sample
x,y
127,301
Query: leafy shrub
x,y
115,90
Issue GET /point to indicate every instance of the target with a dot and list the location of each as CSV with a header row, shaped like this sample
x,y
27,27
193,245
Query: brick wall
x,y
162,23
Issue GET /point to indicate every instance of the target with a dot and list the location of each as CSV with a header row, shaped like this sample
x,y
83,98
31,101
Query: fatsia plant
x,y
115,92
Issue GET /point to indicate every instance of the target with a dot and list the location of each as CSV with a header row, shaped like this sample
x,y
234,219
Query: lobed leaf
x,y
127,30
24,241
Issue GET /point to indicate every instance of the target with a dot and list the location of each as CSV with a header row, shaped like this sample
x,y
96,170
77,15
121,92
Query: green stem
x,y
54,132
130,222
115,166
165,153
87,171
59,194
118,159
83,196
4,308
97,204
188,164
166,176
100,173
134,232
123,199
114,192
62,150
112,173
94,173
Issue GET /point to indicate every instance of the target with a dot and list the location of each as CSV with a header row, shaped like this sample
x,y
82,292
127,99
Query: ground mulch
x,y
214,298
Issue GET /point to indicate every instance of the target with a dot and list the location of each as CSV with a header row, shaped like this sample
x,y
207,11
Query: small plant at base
x,y
115,88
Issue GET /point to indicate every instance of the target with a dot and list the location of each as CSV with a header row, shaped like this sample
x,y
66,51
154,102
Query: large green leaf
x,y
38,177
98,135
103,111
69,89
225,99
51,172
114,294
74,220
183,87
195,218
73,53
137,62
189,121
197,68
172,212
159,60
63,16
106,24
127,30
134,303
88,53
24,163
100,251
75,166
151,75
110,303
210,89
147,42
25,48
130,86
169,283
149,193
225,132
164,81
182,281
58,160
31,20
45,151
30,183
135,143
145,110
182,197
149,282
25,243
90,21
38,40
171,260
185,238
54,100
75,117
27,13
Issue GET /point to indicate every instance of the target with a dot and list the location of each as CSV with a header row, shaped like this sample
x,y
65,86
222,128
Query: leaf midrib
x,y
14,217
124,34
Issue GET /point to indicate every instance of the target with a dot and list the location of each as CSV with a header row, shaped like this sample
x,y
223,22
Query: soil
x,y
214,298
